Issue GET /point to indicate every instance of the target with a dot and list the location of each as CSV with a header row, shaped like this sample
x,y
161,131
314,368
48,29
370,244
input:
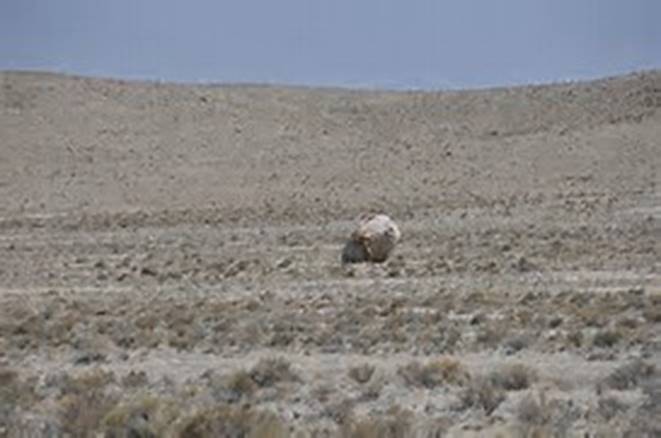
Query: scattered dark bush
x,y
135,379
445,371
144,417
241,383
517,343
514,377
362,373
270,371
606,339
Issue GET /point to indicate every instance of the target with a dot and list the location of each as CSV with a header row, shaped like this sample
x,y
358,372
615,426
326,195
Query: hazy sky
x,y
384,43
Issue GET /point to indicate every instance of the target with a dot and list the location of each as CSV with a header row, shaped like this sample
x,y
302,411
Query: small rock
x,y
284,263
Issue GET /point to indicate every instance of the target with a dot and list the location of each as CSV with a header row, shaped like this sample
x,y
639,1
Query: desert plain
x,y
170,260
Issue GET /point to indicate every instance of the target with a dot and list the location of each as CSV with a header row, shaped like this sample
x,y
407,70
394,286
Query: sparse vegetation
x,y
482,394
226,421
271,371
398,423
532,412
610,407
85,401
362,373
81,413
513,377
446,371
135,379
653,314
144,416
126,271
517,343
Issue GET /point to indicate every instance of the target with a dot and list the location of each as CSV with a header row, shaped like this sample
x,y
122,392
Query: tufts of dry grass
x,y
85,402
14,393
95,379
270,371
397,423
482,394
226,421
81,414
652,314
491,335
513,377
143,417
446,371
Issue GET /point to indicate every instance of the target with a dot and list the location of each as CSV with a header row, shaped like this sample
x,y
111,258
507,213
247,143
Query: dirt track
x,y
184,233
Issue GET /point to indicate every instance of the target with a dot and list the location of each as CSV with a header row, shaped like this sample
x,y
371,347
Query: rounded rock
x,y
372,241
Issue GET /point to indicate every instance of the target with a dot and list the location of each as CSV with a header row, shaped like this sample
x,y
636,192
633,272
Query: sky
x,y
393,44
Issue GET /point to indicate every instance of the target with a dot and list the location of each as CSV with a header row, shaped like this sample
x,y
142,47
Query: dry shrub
x,y
7,376
271,371
362,373
372,390
135,379
491,335
513,377
340,411
226,421
606,338
95,379
435,373
397,423
653,314
230,388
241,384
517,343
81,414
628,376
574,339
85,402
14,393
481,393
144,417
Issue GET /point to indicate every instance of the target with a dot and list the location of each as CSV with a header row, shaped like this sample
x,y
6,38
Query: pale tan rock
x,y
373,240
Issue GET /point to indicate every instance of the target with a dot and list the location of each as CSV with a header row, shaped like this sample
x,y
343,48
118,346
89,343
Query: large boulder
x,y
372,241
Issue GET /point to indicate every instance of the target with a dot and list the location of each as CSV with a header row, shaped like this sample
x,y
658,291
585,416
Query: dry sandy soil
x,y
170,260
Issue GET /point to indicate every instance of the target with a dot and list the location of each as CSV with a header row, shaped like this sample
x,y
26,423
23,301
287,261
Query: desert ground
x,y
170,260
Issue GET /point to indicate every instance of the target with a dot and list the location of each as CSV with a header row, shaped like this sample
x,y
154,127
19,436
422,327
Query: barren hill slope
x,y
85,145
